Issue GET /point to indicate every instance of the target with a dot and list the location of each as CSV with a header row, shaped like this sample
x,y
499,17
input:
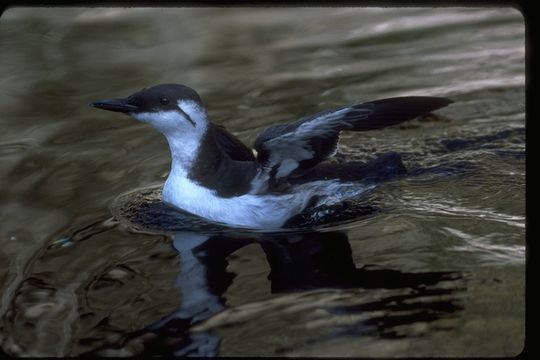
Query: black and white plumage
x,y
214,175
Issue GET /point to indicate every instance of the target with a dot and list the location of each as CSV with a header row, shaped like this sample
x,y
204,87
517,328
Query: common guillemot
x,y
215,176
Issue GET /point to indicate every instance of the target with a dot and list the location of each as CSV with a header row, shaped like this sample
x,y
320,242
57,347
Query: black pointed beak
x,y
118,105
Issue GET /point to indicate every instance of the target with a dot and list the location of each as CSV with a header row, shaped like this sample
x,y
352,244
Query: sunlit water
x,y
433,265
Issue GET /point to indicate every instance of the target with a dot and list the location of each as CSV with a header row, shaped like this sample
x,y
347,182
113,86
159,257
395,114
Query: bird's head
x,y
170,108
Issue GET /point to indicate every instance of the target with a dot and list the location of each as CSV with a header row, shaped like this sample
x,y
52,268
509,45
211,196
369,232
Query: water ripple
x,y
16,147
447,207
486,249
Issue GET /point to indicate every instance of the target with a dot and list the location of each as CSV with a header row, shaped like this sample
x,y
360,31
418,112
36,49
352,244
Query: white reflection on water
x,y
447,207
487,250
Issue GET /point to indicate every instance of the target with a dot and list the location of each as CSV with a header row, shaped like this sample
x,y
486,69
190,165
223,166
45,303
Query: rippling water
x,y
433,267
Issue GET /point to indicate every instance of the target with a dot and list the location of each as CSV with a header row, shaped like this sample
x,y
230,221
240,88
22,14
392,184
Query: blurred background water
x,y
437,270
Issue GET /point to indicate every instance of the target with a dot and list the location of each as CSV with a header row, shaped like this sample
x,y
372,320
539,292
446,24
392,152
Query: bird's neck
x,y
184,150
195,155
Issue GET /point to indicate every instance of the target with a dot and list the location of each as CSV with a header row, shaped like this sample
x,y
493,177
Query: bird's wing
x,y
297,146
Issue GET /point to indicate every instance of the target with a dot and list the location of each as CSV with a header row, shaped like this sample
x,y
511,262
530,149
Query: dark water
x,y
433,265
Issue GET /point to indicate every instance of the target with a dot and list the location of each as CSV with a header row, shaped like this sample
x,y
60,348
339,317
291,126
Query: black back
x,y
223,164
230,144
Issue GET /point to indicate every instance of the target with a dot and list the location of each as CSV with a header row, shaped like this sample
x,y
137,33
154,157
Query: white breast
x,y
249,210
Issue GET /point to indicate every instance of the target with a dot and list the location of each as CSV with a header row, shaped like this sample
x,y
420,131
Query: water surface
x,y
437,269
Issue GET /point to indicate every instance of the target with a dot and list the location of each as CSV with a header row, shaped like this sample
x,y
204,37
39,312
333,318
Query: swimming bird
x,y
215,176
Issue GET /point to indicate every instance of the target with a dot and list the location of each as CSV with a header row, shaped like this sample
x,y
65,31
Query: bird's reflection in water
x,y
299,261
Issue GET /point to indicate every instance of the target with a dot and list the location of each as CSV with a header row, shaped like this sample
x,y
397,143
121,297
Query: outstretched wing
x,y
287,148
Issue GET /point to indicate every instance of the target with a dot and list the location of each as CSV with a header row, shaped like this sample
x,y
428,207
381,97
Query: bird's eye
x,y
164,101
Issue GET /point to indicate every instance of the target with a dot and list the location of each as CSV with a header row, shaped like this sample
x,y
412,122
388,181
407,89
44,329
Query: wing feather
x,y
286,149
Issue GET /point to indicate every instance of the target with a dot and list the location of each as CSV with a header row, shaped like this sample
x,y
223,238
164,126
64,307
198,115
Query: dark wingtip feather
x,y
392,111
417,101
438,102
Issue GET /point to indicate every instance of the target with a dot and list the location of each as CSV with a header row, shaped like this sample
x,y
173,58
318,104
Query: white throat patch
x,y
183,134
